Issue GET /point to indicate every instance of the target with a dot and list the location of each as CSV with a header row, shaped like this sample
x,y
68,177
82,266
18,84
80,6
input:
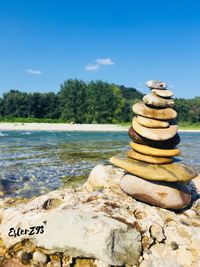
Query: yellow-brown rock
x,y
157,101
150,159
162,93
157,134
173,172
152,151
151,123
154,113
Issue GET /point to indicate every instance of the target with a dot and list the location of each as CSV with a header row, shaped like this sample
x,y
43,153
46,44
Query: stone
x,y
39,257
152,151
154,113
103,176
165,144
150,159
151,123
162,93
66,231
113,203
154,100
156,84
156,134
162,194
196,182
173,172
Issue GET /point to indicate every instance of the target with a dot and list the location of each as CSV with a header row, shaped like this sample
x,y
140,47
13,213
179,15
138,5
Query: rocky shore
x,y
98,225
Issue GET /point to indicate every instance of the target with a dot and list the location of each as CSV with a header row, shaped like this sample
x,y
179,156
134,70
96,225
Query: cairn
x,y
153,174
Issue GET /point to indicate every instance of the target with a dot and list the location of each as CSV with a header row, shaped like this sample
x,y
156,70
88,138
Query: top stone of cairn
x,y
156,84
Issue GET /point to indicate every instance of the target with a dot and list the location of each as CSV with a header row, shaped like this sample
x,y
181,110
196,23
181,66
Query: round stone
x,y
154,100
156,84
150,159
151,123
165,144
173,172
154,113
152,151
162,93
156,134
39,257
162,194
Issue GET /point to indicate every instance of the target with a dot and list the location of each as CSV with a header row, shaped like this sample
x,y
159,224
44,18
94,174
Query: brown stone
x,y
151,123
163,93
173,172
150,159
152,151
157,134
154,100
154,113
170,143
162,194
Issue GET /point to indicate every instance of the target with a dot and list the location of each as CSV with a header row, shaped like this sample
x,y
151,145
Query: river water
x,y
33,163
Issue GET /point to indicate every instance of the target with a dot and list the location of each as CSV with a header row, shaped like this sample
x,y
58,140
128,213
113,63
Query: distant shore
x,y
18,126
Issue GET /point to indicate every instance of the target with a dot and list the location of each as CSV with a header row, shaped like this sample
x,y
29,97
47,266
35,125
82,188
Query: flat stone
x,y
151,123
162,194
163,93
154,100
157,134
154,113
152,151
173,172
146,158
165,144
156,84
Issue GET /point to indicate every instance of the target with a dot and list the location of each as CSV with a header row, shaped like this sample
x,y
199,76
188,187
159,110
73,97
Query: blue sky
x,y
44,42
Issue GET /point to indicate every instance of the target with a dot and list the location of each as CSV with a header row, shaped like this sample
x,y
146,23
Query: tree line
x,y
81,102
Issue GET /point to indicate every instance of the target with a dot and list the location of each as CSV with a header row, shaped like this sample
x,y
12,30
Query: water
x,y
33,163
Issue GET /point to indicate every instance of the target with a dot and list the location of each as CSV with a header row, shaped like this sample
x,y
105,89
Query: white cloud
x,y
104,61
92,67
99,63
33,72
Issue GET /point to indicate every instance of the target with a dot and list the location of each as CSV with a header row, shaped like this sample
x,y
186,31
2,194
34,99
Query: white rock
x,y
104,176
79,233
39,257
156,84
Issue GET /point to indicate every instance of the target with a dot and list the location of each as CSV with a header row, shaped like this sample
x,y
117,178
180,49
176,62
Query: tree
x,y
73,99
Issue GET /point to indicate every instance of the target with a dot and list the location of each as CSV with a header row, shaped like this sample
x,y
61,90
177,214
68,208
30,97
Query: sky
x,y
44,42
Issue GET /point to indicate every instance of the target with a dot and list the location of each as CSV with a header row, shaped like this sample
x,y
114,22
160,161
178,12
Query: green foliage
x,y
81,102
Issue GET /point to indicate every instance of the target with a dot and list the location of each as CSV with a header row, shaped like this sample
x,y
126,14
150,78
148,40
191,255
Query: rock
x,y
13,263
154,113
157,229
162,194
151,123
152,151
39,257
162,93
66,230
103,176
174,172
196,182
165,144
156,134
154,100
156,84
150,159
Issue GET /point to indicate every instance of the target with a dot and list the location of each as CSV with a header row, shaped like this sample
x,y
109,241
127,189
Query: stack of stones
x,y
153,174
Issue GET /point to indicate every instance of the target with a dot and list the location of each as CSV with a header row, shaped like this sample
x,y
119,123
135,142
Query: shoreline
x,y
19,126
